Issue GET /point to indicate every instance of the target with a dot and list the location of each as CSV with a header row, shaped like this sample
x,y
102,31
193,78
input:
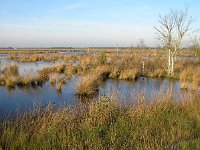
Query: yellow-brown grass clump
x,y
52,79
59,83
87,86
115,72
70,70
59,86
11,70
101,72
196,79
14,69
183,79
128,74
60,68
11,81
44,74
2,81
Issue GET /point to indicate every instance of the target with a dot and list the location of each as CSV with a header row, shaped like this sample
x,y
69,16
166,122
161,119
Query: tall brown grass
x,y
196,79
123,67
183,79
52,79
190,74
59,86
87,86
128,74
106,124
11,70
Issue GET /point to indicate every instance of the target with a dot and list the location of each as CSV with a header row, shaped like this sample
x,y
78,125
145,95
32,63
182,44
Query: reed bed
x,y
195,80
190,74
11,69
122,67
128,74
106,124
147,51
183,79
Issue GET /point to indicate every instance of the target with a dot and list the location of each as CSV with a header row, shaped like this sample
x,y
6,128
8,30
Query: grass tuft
x,y
87,86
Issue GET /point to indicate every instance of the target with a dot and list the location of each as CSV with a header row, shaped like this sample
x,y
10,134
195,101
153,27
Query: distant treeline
x,y
75,48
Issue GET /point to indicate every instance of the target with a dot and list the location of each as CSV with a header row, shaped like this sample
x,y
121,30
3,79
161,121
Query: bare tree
x,y
141,44
172,28
195,47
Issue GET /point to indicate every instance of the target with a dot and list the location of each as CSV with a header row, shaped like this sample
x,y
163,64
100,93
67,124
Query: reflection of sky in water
x,y
79,53
178,58
149,89
126,91
185,58
28,67
3,56
23,97
33,67
72,53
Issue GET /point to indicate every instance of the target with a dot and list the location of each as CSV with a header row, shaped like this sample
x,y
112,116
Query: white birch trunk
x,y
172,64
143,67
169,62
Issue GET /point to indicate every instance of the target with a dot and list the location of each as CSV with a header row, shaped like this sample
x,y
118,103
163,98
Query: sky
x,y
83,23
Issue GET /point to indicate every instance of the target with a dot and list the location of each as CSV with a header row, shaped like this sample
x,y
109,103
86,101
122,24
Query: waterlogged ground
x,y
22,97
147,88
126,91
28,67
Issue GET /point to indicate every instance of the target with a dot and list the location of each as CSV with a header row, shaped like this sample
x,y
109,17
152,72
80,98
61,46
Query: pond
x,y
29,67
186,58
72,53
125,91
79,53
178,58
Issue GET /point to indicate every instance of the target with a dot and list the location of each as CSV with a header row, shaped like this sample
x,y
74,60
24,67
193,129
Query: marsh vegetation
x,y
146,110
106,124
138,98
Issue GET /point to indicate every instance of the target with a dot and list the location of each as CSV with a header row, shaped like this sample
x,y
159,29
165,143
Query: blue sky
x,y
82,23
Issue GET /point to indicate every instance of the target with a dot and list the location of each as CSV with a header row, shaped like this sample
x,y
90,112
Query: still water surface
x,y
126,91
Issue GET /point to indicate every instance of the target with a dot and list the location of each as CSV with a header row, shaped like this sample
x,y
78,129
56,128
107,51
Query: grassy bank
x,y
106,124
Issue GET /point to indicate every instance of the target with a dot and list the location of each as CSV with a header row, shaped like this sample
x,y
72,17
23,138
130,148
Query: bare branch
x,y
172,28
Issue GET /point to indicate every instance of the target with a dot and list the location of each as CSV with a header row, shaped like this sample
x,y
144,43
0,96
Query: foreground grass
x,y
106,124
